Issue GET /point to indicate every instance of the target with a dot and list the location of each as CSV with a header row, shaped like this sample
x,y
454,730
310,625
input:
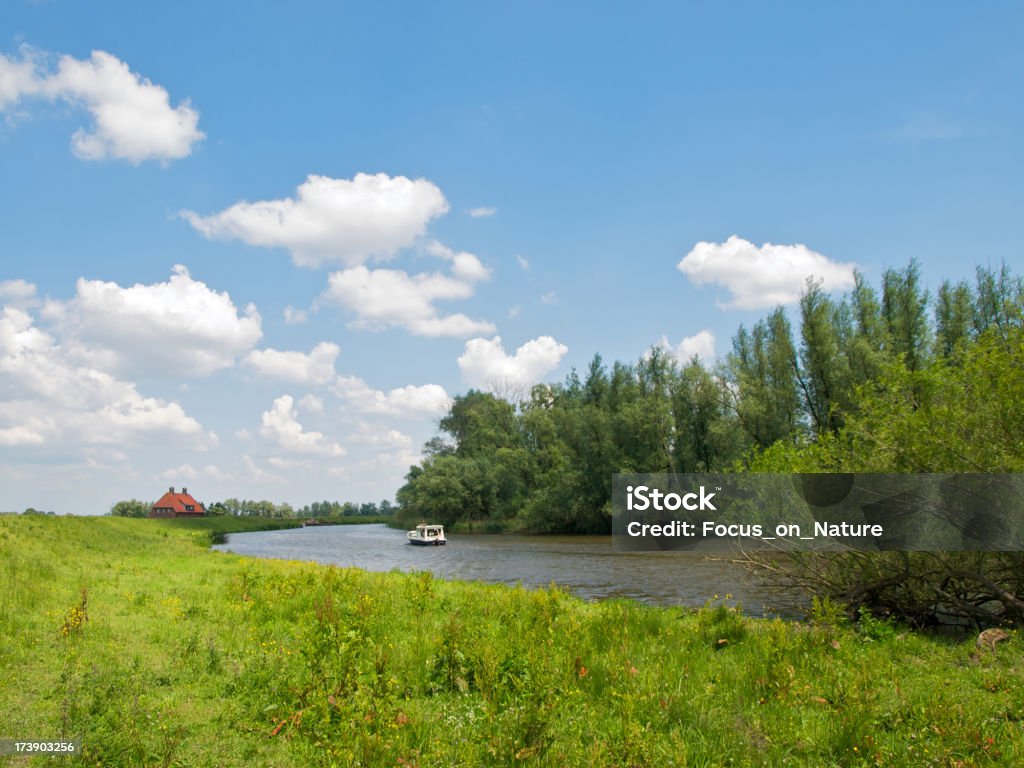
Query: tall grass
x,y
157,653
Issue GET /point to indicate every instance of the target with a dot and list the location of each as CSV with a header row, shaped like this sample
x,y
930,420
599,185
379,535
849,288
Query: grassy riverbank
x,y
156,652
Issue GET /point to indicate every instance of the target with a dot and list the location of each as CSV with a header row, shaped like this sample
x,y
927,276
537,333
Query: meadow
x,y
154,651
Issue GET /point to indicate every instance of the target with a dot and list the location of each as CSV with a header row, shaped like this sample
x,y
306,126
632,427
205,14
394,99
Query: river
x,y
585,565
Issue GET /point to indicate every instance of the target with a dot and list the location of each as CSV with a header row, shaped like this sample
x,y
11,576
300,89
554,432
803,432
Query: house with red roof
x,y
173,504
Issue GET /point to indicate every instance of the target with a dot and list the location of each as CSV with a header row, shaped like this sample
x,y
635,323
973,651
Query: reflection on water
x,y
586,565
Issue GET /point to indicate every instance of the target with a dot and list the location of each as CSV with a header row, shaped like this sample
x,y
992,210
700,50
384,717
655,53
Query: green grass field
x,y
154,651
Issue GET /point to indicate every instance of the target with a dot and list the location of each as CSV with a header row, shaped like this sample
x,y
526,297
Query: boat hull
x,y
426,542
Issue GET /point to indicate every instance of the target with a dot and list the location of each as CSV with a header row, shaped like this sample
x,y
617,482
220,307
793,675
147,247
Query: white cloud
x,y
482,212
465,266
486,365
333,221
388,297
132,117
425,400
18,293
31,433
523,263
281,425
180,328
45,397
764,276
316,368
701,344
513,312
18,77
549,298
293,316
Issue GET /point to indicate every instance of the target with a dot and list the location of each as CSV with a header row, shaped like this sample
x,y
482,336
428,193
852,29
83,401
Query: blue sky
x,y
252,248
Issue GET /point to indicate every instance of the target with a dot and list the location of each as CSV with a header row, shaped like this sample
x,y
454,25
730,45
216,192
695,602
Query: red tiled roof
x,y
179,502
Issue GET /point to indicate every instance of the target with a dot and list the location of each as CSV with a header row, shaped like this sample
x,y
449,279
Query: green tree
x,y
966,418
905,311
999,301
954,316
824,374
131,508
479,423
448,488
707,437
866,345
763,371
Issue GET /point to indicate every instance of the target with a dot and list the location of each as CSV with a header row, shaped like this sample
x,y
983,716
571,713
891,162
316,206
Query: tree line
x,y
264,508
881,379
890,378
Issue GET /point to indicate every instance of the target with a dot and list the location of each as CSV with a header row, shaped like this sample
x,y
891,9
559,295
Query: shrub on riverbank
x,y
176,656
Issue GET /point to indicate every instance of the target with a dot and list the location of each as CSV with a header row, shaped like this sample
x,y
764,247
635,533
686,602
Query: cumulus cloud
x,y
759,277
19,77
465,266
482,212
523,263
315,368
701,345
382,298
410,400
133,118
486,365
281,425
17,293
45,397
333,221
180,328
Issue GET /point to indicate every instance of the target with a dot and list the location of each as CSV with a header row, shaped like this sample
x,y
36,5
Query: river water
x,y
586,565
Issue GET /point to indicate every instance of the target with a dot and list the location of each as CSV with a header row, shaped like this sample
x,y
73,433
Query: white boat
x,y
426,535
